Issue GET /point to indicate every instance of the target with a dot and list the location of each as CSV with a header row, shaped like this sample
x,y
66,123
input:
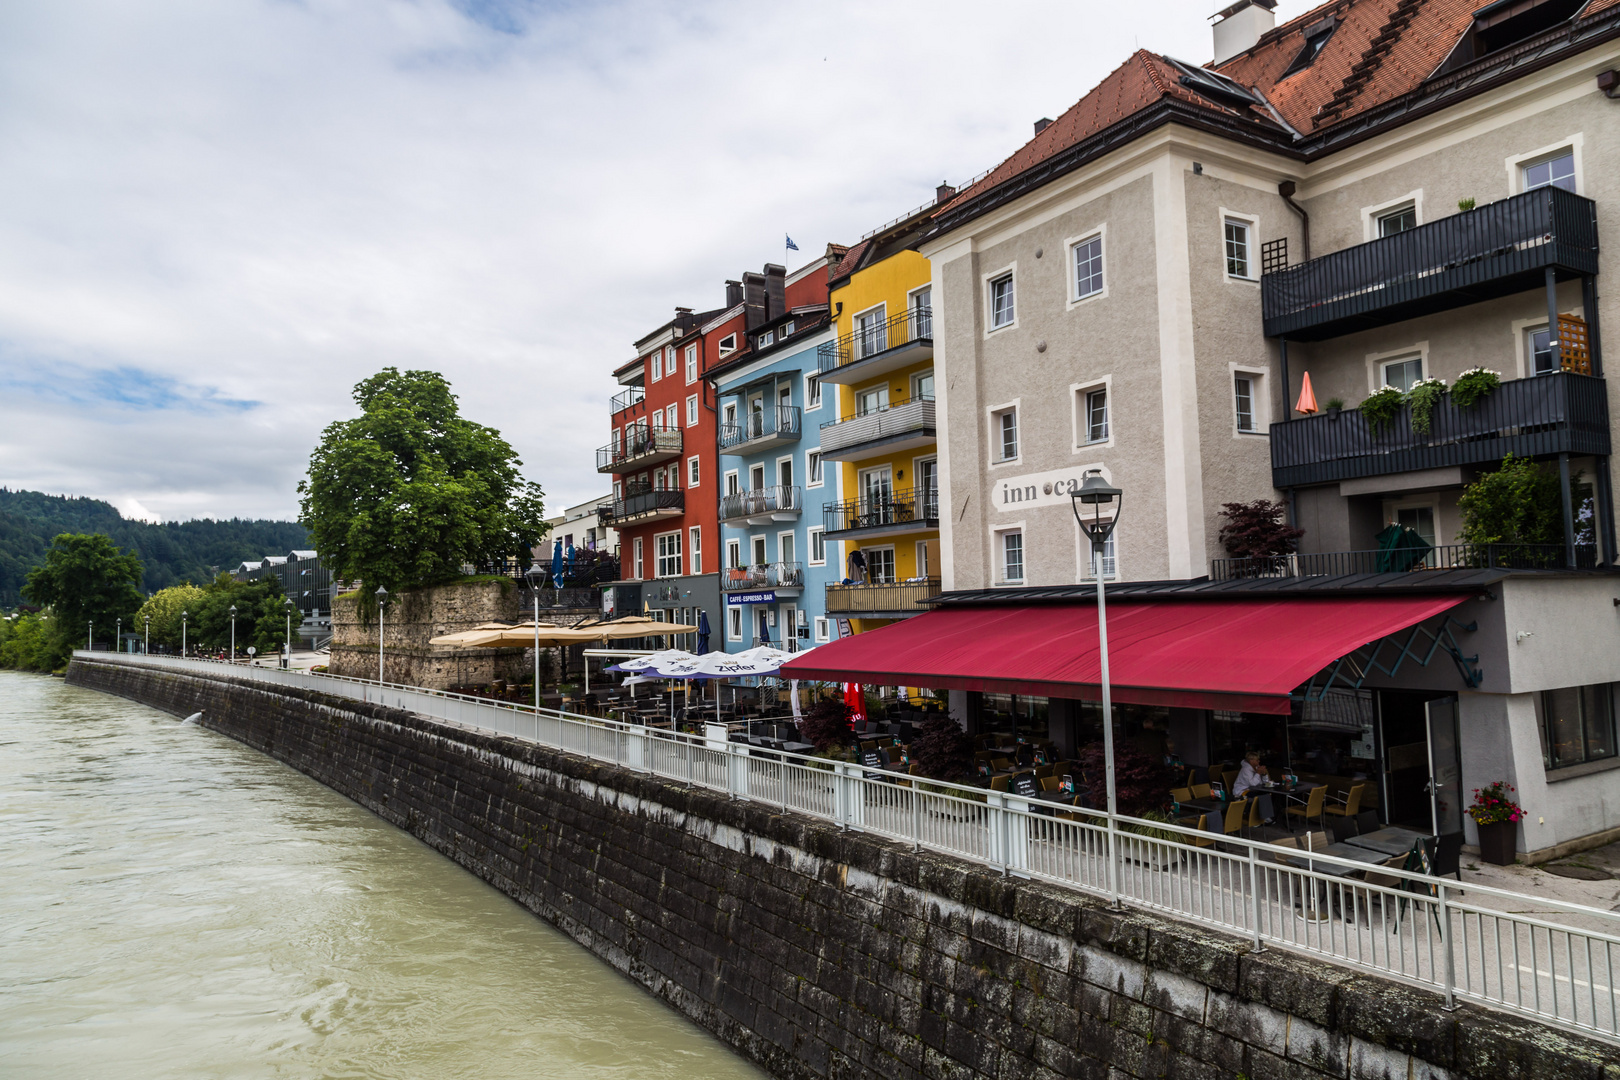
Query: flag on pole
x,y
791,246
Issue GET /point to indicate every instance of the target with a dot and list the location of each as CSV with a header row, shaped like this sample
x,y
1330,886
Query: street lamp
x,y
286,646
382,599
118,635
1101,501
146,648
182,635
233,633
90,637
534,575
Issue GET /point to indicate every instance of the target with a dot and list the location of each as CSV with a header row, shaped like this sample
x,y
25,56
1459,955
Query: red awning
x,y
1239,654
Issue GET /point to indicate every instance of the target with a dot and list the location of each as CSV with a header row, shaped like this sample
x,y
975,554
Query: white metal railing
x,y
1547,959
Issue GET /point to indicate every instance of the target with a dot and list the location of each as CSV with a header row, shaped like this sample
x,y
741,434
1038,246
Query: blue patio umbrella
x,y
703,633
557,565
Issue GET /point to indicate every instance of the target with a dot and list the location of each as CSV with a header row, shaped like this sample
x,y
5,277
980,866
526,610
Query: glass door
x,y
928,488
877,496
1445,767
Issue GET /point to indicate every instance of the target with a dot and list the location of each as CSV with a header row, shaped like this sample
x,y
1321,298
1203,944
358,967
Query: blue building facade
x,y
775,566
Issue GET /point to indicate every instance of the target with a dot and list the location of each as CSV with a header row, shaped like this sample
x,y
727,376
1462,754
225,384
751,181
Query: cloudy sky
x,y
216,216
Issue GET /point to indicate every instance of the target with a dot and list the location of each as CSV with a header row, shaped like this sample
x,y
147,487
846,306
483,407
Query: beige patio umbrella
x,y
499,635
470,637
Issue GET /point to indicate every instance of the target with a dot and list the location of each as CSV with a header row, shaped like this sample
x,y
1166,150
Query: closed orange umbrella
x,y
1307,397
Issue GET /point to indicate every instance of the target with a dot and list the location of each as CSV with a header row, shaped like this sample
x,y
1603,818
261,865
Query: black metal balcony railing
x,y
896,420
1536,417
780,499
909,507
641,446
1445,557
626,398
778,423
882,597
776,575
1479,254
640,503
912,327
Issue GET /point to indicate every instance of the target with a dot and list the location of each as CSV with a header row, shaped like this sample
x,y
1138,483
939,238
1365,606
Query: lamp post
x,y
146,649
286,646
533,575
233,633
182,635
1096,497
382,599
90,637
118,635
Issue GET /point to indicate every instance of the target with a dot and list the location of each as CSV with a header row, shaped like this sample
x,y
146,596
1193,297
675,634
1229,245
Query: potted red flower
x,y
1497,816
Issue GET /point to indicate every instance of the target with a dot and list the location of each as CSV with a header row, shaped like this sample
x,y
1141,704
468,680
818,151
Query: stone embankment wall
x,y
415,616
821,953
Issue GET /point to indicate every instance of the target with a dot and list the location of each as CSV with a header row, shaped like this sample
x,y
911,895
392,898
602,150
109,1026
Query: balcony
x,y
893,514
1536,417
1495,250
904,425
776,426
642,447
624,399
780,577
643,504
882,599
904,339
761,507
1448,557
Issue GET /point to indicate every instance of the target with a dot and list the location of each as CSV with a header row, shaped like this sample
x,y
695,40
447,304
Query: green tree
x,y
260,620
165,607
409,491
86,578
1516,504
29,642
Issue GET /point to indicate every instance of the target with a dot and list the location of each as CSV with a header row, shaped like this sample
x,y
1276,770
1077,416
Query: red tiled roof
x,y
1380,50
851,259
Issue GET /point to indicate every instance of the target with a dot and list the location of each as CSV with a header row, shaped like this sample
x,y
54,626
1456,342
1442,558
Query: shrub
x,y
1516,504
1382,407
826,723
1140,781
1424,397
1257,529
942,750
1474,384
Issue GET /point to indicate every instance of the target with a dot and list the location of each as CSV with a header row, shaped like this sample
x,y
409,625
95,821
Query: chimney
x,y
944,193
1042,124
775,290
734,294
754,299
1239,26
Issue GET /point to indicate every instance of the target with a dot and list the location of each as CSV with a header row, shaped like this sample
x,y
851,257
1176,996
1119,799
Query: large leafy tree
x,y
261,620
410,491
86,578
1520,503
165,609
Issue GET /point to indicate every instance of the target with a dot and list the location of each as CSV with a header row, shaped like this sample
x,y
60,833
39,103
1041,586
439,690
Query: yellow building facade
x,y
880,457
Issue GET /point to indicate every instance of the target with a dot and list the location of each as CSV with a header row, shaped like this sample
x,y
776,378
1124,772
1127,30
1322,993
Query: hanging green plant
x,y
1473,384
1382,407
1424,396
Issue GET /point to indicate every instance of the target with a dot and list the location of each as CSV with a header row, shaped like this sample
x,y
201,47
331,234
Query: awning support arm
x,y
1365,660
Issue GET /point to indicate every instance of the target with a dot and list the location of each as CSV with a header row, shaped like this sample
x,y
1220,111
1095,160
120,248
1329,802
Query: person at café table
x,y
1252,774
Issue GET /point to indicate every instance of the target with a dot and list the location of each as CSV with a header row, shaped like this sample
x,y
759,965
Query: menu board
x,y
1025,785
872,759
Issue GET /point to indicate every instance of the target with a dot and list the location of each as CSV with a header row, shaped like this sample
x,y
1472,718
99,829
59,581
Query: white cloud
x,y
216,217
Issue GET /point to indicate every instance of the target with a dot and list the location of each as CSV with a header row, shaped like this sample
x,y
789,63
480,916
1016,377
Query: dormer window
x,y
1213,85
1316,36
1506,23
728,344
787,328
767,338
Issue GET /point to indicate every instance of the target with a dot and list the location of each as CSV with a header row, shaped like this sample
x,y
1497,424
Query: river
x,y
174,904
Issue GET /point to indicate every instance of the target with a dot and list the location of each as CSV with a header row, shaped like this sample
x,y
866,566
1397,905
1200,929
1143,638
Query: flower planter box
x,y
1496,843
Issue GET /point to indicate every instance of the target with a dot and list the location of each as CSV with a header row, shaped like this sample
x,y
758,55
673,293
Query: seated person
x,y
1252,774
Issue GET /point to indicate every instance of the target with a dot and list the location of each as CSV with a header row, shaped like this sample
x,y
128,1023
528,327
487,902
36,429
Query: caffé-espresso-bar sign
x,y
1053,488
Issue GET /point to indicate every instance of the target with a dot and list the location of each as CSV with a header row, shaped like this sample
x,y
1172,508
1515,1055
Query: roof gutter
x,y
1286,189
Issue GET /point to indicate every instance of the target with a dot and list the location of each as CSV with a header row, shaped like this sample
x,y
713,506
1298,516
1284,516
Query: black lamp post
x,y
1096,506
382,600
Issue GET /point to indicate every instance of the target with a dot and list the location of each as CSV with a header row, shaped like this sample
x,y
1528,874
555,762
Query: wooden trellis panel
x,y
1574,344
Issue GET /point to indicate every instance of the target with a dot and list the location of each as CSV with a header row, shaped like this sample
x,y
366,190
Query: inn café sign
x,y
1051,488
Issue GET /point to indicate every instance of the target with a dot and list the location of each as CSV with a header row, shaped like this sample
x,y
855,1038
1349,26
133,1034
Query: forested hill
x,y
172,552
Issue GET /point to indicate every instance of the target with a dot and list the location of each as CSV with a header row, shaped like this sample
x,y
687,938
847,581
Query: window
x,y
655,367
672,418
1316,36
1558,171
691,364
812,468
1097,416
756,477
733,553
1088,268
1110,561
818,547
1419,519
784,548
1243,393
669,360
1002,309
869,336
922,314
692,411
1397,221
1238,263
879,564
692,471
871,401
1542,360
812,391
728,344
784,471
731,482
1012,557
1006,428
639,574
734,622
695,543
1403,374
1577,724
759,550
767,338
669,554
922,386
787,328
822,628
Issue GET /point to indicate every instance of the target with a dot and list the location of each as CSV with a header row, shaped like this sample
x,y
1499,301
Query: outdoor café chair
x,y
1350,805
1254,815
1341,829
1049,783
1181,794
1366,822
1199,791
1447,855
1000,783
1311,809
1235,814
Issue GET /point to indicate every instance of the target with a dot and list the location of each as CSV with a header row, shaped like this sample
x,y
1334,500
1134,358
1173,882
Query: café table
x,y
1387,841
798,747
1303,859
